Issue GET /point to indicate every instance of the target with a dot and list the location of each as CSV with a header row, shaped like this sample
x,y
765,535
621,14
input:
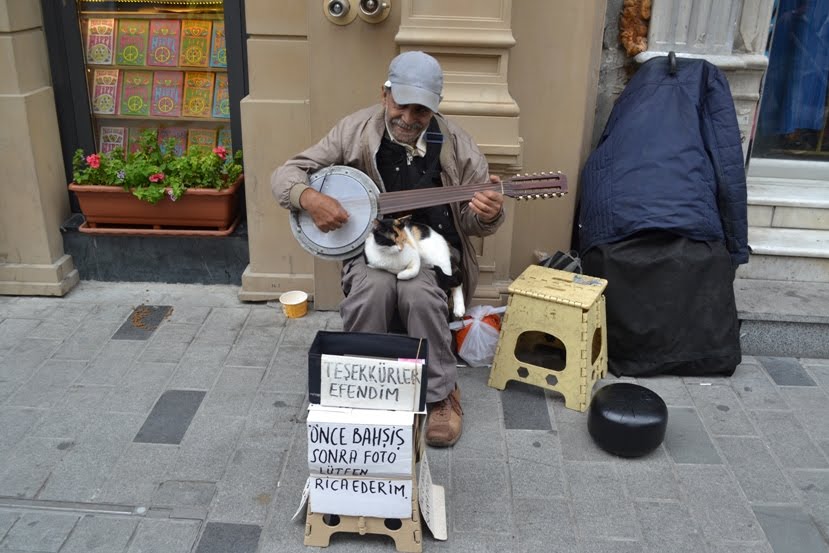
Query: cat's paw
x,y
458,310
406,275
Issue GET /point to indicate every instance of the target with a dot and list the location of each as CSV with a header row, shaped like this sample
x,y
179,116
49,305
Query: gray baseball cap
x,y
416,78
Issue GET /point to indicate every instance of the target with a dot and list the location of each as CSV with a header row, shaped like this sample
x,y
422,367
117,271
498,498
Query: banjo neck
x,y
359,195
529,186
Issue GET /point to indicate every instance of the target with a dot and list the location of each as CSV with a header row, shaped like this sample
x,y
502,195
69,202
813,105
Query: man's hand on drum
x,y
326,212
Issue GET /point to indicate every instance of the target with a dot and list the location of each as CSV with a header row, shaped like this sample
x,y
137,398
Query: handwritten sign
x,y
370,383
432,500
370,497
359,442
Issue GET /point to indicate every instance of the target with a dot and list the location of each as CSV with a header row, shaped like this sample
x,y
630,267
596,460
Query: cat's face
x,y
389,232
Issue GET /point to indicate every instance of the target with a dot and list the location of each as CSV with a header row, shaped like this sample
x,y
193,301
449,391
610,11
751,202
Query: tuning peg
x,y
546,196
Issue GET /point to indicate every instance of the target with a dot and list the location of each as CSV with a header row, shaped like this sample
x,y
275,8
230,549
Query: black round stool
x,y
627,420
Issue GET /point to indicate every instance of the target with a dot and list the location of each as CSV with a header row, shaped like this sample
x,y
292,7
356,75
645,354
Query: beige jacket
x,y
354,141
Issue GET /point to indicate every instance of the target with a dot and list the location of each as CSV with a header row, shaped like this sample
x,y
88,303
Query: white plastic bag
x,y
478,346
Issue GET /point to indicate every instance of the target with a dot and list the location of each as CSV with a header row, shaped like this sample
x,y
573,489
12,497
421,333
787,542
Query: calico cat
x,y
402,247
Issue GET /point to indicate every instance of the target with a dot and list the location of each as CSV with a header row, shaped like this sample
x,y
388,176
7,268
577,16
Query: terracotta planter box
x,y
113,210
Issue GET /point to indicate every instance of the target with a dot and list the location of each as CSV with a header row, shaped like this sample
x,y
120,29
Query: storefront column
x,y
732,35
33,199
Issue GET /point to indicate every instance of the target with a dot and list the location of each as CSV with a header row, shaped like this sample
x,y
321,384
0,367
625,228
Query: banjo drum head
x,y
358,195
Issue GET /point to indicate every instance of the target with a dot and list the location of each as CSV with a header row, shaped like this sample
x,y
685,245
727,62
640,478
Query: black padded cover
x,y
627,420
670,305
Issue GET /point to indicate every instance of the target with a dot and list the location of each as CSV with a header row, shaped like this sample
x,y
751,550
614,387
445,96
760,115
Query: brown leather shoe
x,y
444,422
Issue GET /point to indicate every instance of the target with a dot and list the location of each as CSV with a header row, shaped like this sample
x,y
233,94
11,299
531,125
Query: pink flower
x,y
220,151
157,177
93,161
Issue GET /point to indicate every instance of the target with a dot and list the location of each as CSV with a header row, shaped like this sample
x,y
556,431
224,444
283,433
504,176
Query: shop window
x,y
792,120
156,64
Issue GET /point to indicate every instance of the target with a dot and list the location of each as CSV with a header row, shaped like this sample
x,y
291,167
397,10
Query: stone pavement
x,y
169,418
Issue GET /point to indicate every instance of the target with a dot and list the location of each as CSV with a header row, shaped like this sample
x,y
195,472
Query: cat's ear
x,y
402,221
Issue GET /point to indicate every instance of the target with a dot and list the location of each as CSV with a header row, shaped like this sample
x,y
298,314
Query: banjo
x,y
364,202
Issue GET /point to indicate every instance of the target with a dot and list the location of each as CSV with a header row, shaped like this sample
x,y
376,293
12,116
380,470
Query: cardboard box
x,y
218,45
134,137
361,461
360,442
221,97
385,347
136,93
165,39
178,134
105,91
167,94
112,138
100,41
368,497
203,139
198,94
131,42
225,140
195,43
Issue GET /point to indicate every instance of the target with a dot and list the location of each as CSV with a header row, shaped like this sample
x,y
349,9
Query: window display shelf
x,y
158,64
92,67
155,119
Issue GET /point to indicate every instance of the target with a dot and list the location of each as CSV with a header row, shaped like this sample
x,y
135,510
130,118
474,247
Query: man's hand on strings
x,y
487,204
326,212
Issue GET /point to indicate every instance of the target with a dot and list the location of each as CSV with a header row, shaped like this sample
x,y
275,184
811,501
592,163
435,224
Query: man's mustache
x,y
413,127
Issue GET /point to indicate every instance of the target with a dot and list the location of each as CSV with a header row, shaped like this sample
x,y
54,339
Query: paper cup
x,y
294,303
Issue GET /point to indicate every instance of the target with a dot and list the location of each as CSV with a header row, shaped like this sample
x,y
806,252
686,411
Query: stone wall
x,y
615,69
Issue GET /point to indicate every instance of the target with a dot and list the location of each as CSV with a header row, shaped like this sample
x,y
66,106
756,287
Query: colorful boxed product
x,y
179,136
167,90
221,97
218,45
112,138
100,40
131,44
165,38
136,93
198,94
224,140
134,138
195,42
105,91
201,139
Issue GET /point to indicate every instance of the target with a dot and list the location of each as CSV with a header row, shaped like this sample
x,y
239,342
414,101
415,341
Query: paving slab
x,y
167,536
789,530
219,537
600,505
686,439
788,440
40,531
760,477
786,371
743,468
170,418
98,534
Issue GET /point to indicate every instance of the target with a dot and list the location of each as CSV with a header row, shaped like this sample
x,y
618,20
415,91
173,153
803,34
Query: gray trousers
x,y
371,298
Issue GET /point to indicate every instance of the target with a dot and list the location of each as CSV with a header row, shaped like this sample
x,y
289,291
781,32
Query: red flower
x,y
220,151
93,161
157,177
